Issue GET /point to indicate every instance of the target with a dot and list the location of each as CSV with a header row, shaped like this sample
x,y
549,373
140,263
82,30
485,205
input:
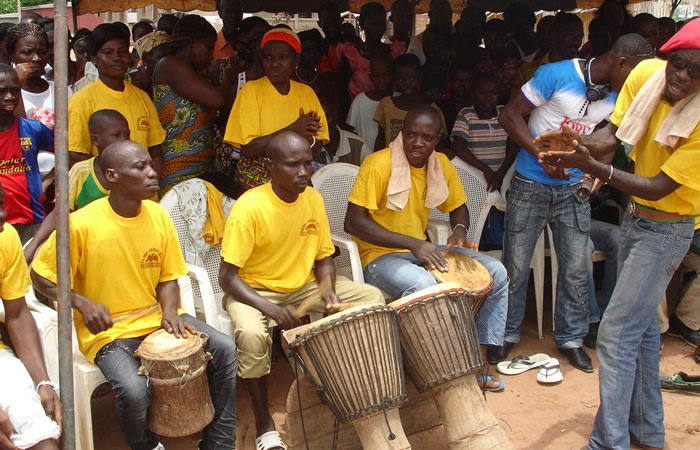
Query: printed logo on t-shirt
x,y
13,165
310,228
152,258
577,127
143,124
25,143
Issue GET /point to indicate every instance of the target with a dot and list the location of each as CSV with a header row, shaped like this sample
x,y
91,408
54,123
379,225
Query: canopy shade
x,y
295,6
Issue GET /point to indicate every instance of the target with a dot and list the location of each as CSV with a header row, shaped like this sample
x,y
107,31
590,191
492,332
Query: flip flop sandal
x,y
550,373
269,440
681,381
521,364
501,383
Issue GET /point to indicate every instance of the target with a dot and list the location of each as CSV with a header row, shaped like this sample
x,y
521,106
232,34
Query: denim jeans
x,y
401,274
628,338
531,206
134,394
604,237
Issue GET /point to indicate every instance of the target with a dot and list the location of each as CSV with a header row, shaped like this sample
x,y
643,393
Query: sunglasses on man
x,y
679,63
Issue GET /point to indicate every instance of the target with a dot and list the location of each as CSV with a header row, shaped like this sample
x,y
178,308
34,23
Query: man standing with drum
x,y
125,262
276,253
657,112
390,231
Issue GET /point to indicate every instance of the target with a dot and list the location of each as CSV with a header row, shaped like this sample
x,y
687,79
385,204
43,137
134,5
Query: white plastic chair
x,y
334,182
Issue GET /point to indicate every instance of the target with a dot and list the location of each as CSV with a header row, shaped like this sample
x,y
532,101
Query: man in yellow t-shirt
x,y
277,251
125,261
656,234
28,400
392,243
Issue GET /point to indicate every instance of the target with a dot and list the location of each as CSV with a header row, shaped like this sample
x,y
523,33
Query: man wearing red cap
x,y
658,113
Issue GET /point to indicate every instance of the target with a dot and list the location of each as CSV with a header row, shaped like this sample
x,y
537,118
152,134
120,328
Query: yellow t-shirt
x,y
681,163
260,110
14,275
390,118
118,262
133,103
274,243
369,192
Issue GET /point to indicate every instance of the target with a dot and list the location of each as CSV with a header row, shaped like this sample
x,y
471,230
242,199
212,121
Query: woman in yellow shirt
x,y
272,104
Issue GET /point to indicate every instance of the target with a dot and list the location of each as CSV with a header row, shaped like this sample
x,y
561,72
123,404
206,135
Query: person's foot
x,y
578,358
498,353
592,336
678,329
635,443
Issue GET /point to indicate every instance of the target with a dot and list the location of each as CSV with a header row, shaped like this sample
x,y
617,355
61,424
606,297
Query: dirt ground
x,y
534,416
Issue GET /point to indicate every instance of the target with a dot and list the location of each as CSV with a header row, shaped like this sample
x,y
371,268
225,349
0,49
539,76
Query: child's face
x,y
495,42
486,94
109,132
9,92
433,46
461,81
381,77
407,80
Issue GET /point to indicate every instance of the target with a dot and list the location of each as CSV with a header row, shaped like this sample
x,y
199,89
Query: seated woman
x,y
187,102
271,104
109,50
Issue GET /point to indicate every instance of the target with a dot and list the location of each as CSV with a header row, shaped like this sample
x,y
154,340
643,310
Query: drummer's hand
x,y
458,238
7,431
51,403
176,325
95,315
286,317
430,255
329,297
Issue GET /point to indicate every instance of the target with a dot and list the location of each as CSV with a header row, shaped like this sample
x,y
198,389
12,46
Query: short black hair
x,y
330,7
407,60
142,24
483,77
17,32
464,64
564,21
369,9
167,23
104,33
191,27
495,25
632,44
81,34
6,68
103,114
425,109
251,22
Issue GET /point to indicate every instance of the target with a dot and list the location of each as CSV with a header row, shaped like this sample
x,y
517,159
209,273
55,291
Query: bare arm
x,y
601,143
25,336
232,283
308,125
76,157
42,234
458,238
324,271
168,295
461,149
380,141
359,224
512,119
191,84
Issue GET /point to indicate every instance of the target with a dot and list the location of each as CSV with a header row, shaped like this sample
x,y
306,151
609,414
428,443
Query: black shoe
x,y
498,353
679,329
592,336
578,358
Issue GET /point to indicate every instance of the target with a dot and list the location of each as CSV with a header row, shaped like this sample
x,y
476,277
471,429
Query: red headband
x,y
284,35
687,37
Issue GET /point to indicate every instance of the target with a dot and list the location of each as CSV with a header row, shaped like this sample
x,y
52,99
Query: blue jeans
x,y
531,206
628,338
134,394
604,237
401,274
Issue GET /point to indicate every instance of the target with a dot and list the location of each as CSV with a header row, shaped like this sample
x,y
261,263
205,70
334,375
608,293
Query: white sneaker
x,y
159,447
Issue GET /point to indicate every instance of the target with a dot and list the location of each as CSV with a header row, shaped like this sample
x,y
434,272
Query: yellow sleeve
x,y
244,122
156,133
173,266
14,278
238,241
74,182
456,197
369,185
634,82
326,247
45,262
79,111
683,165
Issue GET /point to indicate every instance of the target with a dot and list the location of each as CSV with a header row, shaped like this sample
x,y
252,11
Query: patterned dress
x,y
188,150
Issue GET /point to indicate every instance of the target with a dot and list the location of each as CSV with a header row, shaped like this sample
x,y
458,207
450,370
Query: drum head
x,y
163,346
437,289
469,273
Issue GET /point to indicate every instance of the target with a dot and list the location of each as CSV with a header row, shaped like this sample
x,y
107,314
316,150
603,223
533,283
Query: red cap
x,y
687,37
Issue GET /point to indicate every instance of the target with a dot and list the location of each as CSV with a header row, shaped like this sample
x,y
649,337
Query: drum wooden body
x,y
441,352
353,359
176,368
469,274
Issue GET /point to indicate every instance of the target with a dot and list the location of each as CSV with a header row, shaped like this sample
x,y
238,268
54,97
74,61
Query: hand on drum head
x,y
175,325
286,317
458,238
430,255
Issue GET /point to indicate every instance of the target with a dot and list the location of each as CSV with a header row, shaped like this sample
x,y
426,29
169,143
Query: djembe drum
x,y
441,352
353,360
176,368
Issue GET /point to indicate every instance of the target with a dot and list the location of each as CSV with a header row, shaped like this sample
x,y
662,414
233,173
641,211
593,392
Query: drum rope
x,y
301,410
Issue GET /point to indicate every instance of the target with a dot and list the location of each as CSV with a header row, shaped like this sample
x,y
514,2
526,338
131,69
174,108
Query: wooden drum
x,y
469,274
353,360
176,368
441,352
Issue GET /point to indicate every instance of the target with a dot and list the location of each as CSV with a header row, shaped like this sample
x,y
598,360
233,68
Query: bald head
x,y
424,111
122,154
283,144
